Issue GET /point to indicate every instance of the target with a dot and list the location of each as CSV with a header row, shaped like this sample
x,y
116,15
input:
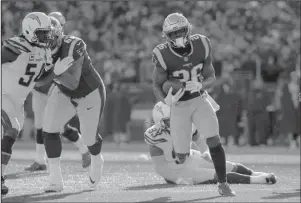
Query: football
x,y
174,83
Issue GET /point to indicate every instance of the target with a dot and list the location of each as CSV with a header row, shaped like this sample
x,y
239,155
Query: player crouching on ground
x,y
198,168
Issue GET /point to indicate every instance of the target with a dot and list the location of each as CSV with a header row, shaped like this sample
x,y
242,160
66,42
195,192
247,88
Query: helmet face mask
x,y
44,37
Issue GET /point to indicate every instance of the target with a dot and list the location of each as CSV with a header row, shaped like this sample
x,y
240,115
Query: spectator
x,y
290,110
258,119
229,114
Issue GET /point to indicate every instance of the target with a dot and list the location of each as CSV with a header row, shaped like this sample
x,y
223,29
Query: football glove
x,y
193,86
62,65
171,99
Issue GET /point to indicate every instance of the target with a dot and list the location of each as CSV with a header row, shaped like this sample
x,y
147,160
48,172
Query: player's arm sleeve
x,y
159,75
78,51
208,71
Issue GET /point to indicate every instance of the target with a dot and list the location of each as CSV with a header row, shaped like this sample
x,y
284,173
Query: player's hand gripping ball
x,y
174,90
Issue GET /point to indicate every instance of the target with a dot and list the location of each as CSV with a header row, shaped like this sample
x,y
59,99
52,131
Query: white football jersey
x,y
22,64
161,138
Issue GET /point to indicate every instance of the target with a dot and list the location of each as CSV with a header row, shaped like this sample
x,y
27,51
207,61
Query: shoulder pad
x,y
17,45
9,55
73,46
161,46
205,41
157,57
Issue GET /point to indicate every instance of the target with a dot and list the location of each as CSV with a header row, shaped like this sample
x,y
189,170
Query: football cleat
x,y
4,188
54,187
96,172
36,167
225,190
86,159
271,179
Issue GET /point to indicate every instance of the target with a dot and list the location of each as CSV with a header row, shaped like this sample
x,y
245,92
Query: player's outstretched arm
x,y
71,80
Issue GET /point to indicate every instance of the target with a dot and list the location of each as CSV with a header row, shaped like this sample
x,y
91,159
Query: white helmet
x,y
37,29
161,114
59,16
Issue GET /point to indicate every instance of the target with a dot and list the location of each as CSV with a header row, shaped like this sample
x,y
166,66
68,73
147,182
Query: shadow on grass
x,y
40,196
284,195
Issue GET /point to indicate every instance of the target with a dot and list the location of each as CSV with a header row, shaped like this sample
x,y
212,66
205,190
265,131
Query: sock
x,y
40,149
258,179
97,160
40,153
237,178
55,170
255,173
81,145
219,160
74,136
242,169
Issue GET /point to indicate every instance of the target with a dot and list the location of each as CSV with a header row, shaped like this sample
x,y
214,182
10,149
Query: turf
x,y
129,177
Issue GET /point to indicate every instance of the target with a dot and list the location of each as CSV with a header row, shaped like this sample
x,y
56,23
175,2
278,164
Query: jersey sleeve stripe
x,y
160,58
12,48
71,49
206,45
18,45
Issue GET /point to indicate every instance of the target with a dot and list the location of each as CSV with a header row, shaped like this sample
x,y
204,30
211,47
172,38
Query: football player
x,y
39,101
24,59
198,168
188,58
79,90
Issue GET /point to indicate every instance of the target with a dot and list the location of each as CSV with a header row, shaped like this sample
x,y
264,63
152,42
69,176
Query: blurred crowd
x,y
256,50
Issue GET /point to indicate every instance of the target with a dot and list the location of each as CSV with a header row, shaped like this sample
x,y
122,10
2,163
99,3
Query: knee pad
x,y
213,141
53,144
8,123
95,149
12,132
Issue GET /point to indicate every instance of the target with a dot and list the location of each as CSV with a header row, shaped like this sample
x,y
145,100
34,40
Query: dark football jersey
x,y
185,68
90,79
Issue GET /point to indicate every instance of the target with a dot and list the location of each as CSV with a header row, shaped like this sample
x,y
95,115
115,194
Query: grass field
x,y
129,177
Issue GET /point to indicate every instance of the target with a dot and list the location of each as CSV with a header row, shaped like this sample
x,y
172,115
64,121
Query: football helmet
x,y
59,16
57,32
176,30
36,28
161,114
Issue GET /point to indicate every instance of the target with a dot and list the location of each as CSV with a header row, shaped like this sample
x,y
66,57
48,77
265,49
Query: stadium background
x,y
256,45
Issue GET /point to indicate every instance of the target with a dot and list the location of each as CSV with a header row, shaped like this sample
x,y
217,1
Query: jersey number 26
x,y
185,75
